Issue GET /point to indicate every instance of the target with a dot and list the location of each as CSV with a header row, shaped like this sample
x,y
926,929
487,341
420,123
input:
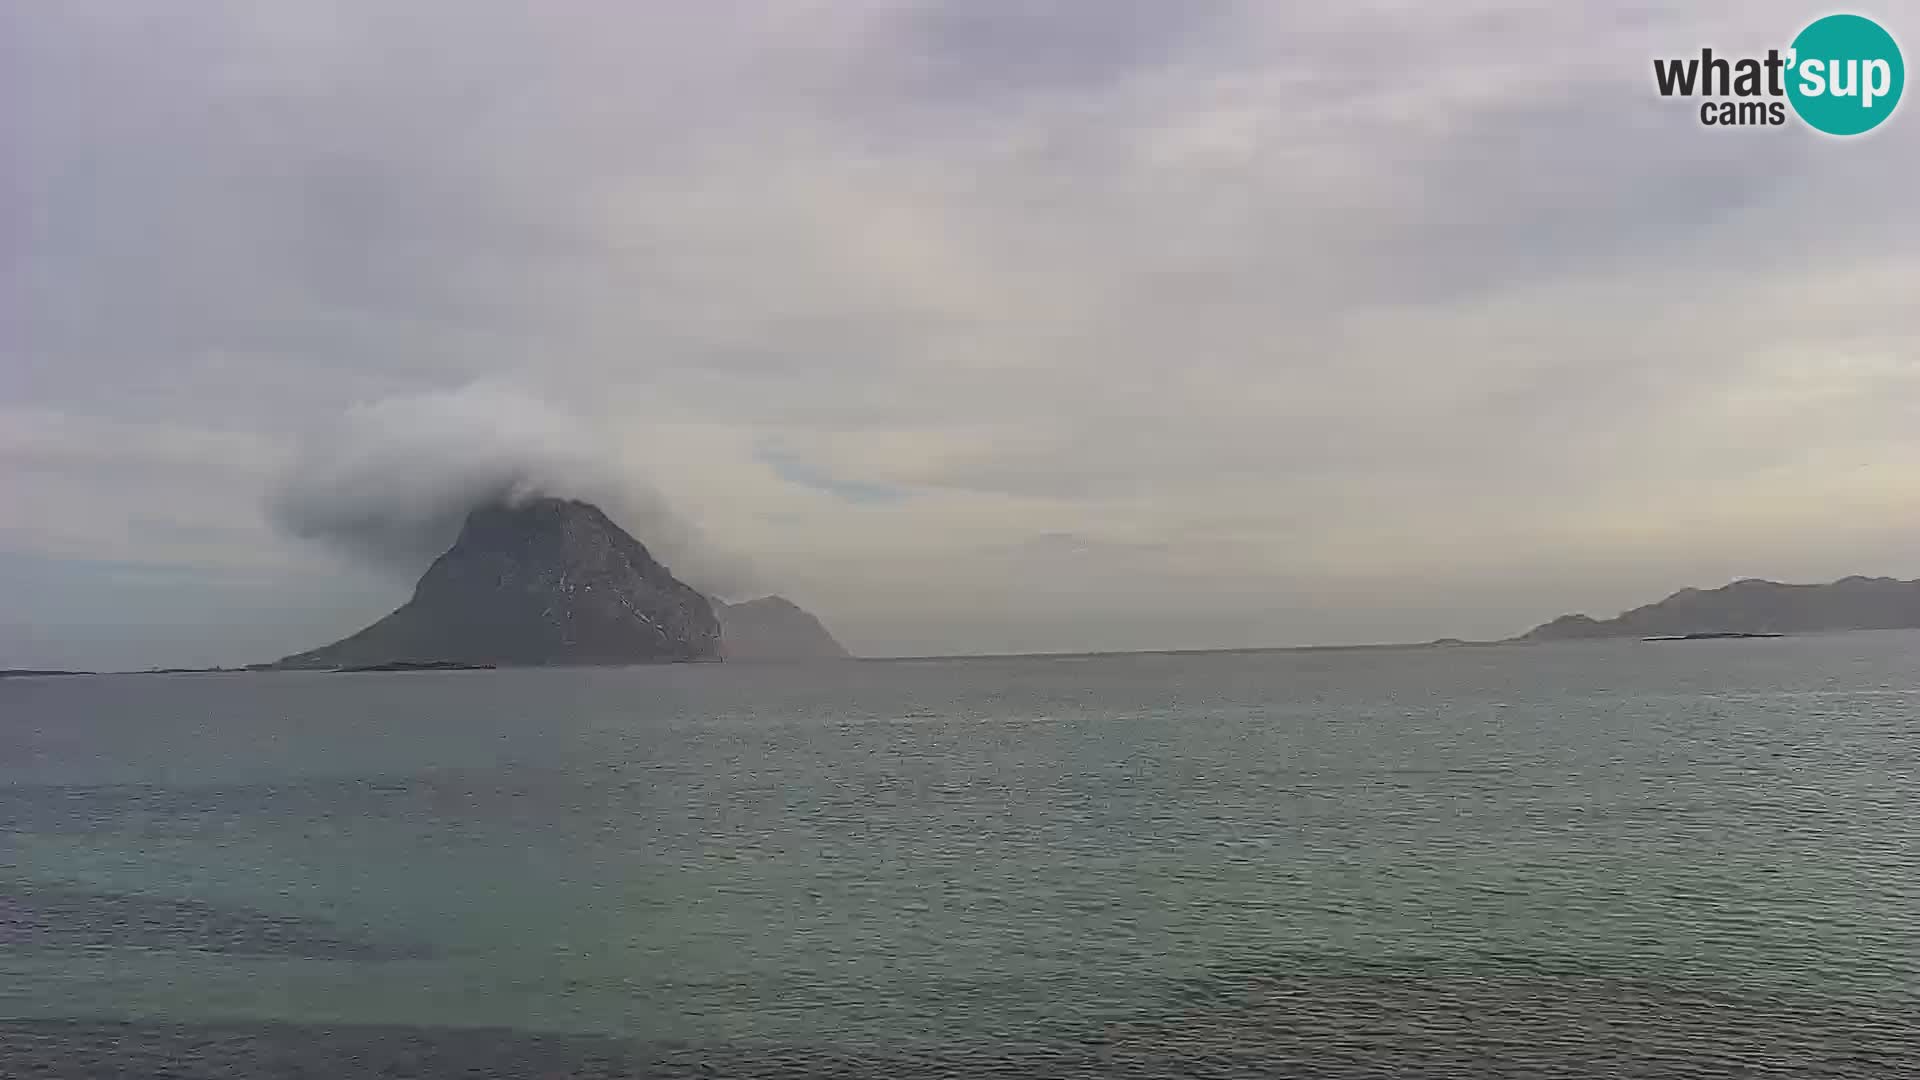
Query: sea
x,y
1613,859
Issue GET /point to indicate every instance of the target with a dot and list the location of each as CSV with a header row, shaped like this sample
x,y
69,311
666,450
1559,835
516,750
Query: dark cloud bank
x,y
391,483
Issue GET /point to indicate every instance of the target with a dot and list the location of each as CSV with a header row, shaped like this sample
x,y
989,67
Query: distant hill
x,y
1754,606
773,628
541,581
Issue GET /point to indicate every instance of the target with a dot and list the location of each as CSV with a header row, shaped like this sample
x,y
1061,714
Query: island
x,y
543,581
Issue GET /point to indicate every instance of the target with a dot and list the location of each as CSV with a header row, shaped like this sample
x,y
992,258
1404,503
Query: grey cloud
x,y
1000,49
393,481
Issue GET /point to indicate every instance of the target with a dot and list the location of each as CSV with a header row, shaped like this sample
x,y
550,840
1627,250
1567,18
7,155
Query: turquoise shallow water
x,y
1689,859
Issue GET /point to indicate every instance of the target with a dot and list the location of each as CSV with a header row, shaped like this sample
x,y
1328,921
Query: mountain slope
x,y
1754,606
544,581
774,628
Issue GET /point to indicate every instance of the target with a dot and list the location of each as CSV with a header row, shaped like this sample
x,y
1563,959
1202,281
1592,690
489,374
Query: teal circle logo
x,y
1846,74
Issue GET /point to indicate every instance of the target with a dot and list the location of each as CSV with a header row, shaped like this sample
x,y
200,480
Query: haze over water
x,y
1585,860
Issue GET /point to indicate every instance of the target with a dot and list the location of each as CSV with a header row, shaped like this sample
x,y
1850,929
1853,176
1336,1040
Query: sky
x,y
970,325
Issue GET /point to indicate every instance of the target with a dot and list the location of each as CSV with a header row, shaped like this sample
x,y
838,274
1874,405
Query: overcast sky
x,y
971,326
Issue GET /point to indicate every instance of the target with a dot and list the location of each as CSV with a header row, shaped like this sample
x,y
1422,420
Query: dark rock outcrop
x,y
1753,606
773,628
540,581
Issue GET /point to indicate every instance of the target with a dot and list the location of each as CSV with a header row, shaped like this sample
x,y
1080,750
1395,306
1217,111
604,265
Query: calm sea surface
x,y
1623,859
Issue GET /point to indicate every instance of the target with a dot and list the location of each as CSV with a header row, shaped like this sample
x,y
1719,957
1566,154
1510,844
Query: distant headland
x,y
1753,608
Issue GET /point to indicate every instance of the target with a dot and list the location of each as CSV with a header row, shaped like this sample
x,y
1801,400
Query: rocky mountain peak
x,y
537,581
